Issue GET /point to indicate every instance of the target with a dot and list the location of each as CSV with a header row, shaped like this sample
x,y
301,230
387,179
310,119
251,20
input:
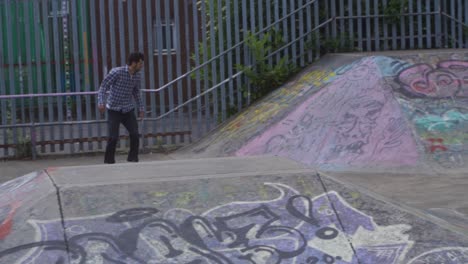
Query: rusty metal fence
x,y
55,53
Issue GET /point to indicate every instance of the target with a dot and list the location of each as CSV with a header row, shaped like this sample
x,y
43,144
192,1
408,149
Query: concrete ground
x,y
217,210
11,169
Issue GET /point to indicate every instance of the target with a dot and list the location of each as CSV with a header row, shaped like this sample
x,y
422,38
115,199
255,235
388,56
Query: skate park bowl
x,y
360,158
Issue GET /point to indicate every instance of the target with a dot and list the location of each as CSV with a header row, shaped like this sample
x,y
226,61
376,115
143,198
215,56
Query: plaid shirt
x,y
122,86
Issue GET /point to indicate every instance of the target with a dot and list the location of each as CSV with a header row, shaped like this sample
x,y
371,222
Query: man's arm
x,y
106,84
139,102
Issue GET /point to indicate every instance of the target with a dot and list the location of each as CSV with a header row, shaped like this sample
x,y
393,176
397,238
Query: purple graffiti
x,y
353,121
447,79
453,255
292,228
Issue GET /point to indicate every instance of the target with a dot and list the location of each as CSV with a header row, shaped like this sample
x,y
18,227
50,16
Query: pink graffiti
x,y
354,120
447,79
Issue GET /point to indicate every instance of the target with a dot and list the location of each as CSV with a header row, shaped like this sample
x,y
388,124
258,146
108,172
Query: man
x,y
122,83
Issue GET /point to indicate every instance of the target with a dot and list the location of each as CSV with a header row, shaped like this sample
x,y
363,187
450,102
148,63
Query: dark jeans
x,y
129,121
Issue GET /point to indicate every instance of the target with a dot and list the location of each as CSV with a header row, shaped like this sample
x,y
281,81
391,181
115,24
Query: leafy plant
x,y
393,11
265,77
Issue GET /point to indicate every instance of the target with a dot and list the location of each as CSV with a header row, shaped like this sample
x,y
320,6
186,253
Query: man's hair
x,y
135,57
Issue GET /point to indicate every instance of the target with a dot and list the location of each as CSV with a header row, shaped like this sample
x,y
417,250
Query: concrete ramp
x,y
392,122
388,110
220,210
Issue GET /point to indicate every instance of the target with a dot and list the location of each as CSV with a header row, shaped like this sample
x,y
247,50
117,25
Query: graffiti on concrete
x,y
451,255
293,228
354,120
248,123
12,195
448,79
435,99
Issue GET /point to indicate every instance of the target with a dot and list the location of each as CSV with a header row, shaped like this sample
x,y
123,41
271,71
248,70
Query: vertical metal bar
x,y
359,14
385,28
317,32
196,45
150,51
301,33
351,23
420,27
131,26
402,28
394,37
169,46
58,70
104,55
333,15
268,23
453,33
141,48
48,47
309,23
221,60
327,15
20,42
11,69
245,29
460,24
293,32
368,27
162,93
445,25
213,63
438,24
187,62
428,25
87,62
229,55
3,87
237,27
253,24
93,26
342,24
112,32
122,36
122,56
206,81
32,132
411,24
376,25
76,66
177,37
260,14
285,27
29,58
465,23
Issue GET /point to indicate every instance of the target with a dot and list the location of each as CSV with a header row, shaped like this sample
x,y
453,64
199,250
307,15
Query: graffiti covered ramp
x,y
225,210
392,122
387,110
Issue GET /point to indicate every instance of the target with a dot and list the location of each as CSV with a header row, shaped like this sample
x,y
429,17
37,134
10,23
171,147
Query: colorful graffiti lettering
x,y
448,79
435,99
